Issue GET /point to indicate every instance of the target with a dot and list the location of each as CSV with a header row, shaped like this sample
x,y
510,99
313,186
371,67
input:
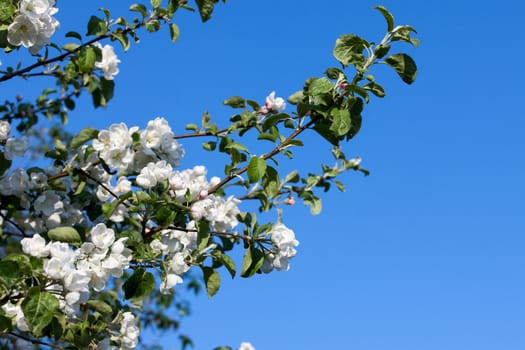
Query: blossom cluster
x,y
34,25
13,147
91,265
75,271
116,147
284,243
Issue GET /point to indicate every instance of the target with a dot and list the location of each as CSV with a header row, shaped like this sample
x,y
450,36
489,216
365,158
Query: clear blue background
x,y
428,251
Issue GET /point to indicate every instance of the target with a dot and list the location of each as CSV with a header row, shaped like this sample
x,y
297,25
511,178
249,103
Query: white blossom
x,y
129,332
274,104
15,147
246,346
23,31
284,243
35,246
109,61
5,129
16,311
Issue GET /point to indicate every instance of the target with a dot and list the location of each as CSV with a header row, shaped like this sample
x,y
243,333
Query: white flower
x,y
35,246
23,31
129,331
153,174
246,346
102,237
169,282
5,129
34,8
273,104
16,311
284,242
49,203
15,147
109,61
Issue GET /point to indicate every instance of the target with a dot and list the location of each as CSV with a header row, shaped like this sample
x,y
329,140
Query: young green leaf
x,y
256,169
212,280
404,65
174,32
83,136
39,309
64,234
388,17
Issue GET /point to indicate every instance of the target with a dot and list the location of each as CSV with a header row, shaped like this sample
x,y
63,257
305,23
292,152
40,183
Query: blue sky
x,y
428,251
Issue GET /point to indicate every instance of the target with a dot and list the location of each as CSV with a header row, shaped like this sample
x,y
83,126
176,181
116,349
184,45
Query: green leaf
x,y
173,5
64,234
86,59
256,169
23,262
122,38
253,260
404,65
39,309
6,324
234,102
402,33
296,97
6,10
375,88
212,280
96,26
228,263
70,47
139,285
155,3
9,273
174,32
320,86
4,163
348,49
205,8
140,9
341,122
388,17
73,35
209,146
84,136
100,306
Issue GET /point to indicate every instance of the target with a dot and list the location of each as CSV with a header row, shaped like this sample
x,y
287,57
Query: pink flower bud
x,y
203,194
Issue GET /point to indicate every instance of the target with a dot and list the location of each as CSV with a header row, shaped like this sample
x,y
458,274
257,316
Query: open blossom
x,y
23,31
35,246
284,243
34,26
273,104
109,61
5,129
129,332
246,346
15,148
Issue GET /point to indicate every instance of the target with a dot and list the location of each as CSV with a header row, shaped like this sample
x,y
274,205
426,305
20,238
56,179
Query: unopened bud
x,y
203,194
289,200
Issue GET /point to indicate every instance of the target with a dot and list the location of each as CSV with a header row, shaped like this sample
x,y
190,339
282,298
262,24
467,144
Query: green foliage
x,y
331,105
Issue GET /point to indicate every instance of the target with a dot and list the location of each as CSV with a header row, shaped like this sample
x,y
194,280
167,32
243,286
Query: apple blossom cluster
x,y
176,246
13,147
75,271
117,148
284,243
34,25
46,208
128,334
109,61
